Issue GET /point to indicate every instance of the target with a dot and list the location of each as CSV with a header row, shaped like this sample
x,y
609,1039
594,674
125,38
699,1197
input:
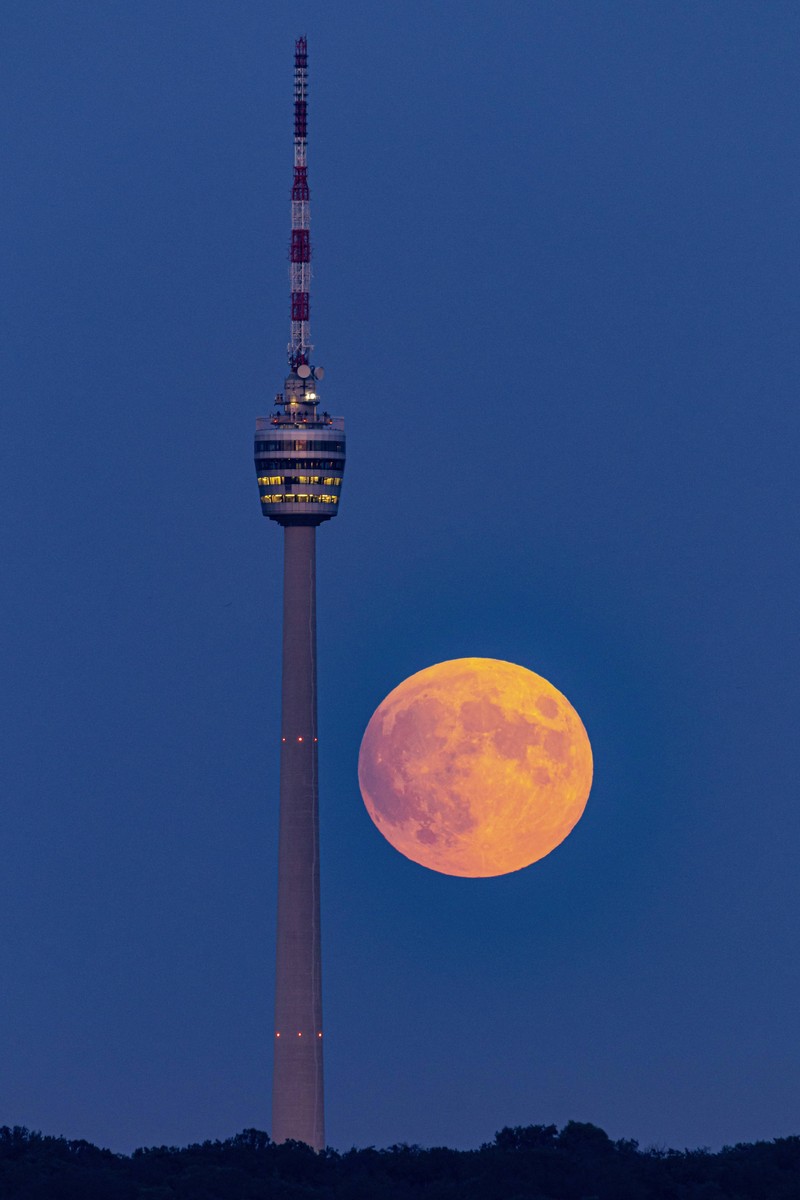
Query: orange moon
x,y
475,767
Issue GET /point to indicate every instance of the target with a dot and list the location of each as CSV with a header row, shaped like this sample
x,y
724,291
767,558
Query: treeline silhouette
x,y
534,1162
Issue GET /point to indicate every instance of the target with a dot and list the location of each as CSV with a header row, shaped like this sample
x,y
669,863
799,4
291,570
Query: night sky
x,y
556,297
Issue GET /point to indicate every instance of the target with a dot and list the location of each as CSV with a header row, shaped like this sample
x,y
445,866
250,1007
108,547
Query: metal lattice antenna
x,y
300,249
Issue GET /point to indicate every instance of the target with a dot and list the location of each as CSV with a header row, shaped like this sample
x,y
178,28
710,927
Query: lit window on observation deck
x,y
302,464
299,498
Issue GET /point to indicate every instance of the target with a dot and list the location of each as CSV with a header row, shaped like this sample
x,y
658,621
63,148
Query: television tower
x,y
299,454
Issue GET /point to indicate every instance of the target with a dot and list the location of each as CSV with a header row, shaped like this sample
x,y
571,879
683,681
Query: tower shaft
x,y
297,1095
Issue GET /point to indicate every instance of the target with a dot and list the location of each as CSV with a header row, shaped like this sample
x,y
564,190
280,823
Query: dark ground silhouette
x,y
535,1162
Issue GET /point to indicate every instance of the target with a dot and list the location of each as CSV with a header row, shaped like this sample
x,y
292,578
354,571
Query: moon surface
x,y
475,767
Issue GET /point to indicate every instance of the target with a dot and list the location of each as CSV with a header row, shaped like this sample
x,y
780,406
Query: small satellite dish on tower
x,y
319,372
304,370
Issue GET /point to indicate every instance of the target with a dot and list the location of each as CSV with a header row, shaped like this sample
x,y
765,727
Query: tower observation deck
x,y
299,458
299,454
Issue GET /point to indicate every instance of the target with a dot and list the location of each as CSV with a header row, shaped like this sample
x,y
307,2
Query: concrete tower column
x,y
297,1090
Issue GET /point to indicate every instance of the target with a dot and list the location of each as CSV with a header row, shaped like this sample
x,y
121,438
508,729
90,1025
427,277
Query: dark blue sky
x,y
556,296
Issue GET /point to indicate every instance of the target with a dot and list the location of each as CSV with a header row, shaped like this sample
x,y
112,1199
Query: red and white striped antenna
x,y
300,249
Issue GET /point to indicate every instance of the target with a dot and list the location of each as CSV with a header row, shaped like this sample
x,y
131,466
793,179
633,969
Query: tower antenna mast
x,y
300,250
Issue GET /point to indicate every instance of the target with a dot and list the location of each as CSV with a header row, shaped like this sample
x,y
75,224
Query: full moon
x,y
475,767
